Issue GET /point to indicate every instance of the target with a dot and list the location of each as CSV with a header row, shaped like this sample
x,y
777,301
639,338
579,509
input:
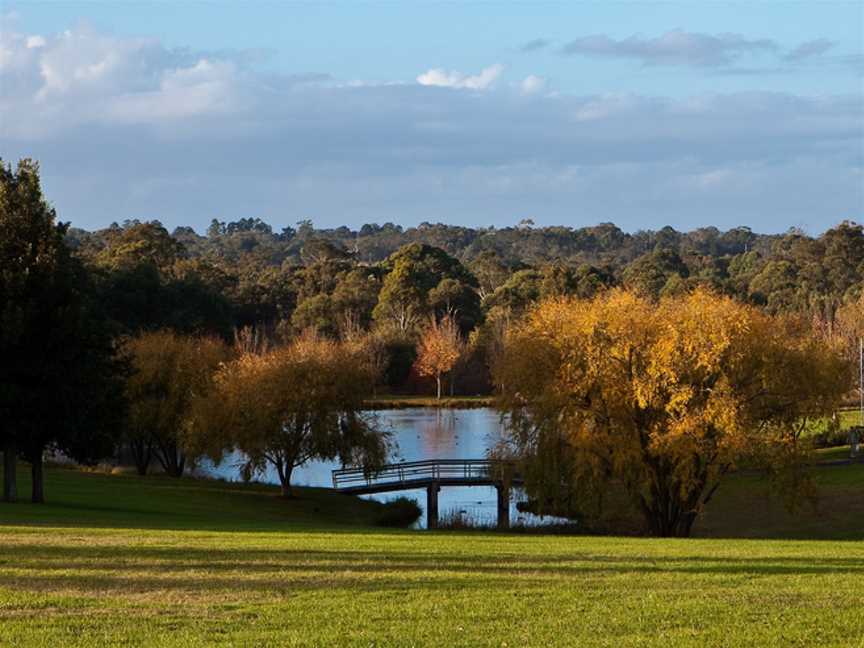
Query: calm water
x,y
422,433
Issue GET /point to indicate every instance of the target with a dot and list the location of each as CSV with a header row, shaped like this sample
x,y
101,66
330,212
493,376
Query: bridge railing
x,y
429,470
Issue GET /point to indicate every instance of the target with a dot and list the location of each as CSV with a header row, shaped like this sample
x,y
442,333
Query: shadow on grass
x,y
107,568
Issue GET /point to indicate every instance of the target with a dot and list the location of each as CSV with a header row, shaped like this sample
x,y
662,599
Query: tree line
x,y
394,281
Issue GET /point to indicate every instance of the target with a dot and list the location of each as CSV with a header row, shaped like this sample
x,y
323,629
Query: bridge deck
x,y
421,474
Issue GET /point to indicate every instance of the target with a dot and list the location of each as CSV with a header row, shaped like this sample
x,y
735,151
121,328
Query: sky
x,y
643,114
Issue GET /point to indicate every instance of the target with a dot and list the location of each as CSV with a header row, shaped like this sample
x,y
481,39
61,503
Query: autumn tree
x,y
439,349
285,407
169,373
848,331
663,398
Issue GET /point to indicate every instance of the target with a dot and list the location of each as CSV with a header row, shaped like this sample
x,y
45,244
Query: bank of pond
x,y
746,505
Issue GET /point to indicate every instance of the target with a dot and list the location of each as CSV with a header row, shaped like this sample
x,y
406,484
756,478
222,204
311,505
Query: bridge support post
x,y
432,505
503,506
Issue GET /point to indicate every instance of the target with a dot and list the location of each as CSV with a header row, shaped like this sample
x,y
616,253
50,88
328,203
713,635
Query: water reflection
x,y
422,433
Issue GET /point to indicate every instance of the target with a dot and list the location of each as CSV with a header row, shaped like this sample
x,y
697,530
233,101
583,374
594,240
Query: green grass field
x,y
127,561
846,418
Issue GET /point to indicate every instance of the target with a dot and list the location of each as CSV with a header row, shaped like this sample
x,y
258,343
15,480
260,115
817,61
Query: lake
x,y
421,433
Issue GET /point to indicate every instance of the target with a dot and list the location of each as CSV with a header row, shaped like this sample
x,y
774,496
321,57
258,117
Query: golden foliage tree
x,y
664,398
170,373
439,349
290,405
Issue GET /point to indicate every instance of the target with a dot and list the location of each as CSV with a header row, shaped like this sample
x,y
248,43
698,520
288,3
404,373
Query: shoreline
x,y
411,402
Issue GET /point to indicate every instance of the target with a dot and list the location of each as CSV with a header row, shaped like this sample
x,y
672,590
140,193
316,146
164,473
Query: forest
x,y
391,280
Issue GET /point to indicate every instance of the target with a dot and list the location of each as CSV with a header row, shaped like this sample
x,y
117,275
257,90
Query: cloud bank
x,y
127,128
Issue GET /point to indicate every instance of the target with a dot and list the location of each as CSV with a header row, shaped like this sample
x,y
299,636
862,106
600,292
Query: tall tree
x,y
413,272
59,378
664,398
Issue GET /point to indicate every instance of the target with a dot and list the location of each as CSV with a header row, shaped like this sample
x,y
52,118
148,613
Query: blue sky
x,y
643,114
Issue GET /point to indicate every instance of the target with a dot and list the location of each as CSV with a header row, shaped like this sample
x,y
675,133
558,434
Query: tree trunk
x,y
142,452
284,473
665,518
38,491
438,380
173,460
10,464
685,525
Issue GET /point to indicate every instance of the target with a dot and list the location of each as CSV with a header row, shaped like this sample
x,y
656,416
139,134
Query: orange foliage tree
x,y
292,404
439,349
664,398
170,372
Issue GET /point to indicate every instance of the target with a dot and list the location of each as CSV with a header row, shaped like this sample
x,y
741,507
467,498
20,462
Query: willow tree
x,y
663,397
285,407
170,372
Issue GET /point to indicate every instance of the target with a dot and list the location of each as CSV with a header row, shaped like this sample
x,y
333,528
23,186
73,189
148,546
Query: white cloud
x,y
454,79
81,76
532,84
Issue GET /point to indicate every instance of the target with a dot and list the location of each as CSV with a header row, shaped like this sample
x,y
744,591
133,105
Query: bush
x,y
830,439
399,512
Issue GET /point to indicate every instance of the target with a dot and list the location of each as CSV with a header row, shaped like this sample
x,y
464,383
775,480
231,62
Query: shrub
x,y
830,439
399,512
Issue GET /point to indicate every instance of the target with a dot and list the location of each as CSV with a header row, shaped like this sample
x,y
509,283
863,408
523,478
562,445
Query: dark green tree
x,y
59,379
413,272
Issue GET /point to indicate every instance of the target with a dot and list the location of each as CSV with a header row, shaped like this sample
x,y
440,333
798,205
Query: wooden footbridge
x,y
432,475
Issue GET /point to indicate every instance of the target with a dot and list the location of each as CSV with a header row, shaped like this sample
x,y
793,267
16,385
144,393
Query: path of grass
x,y
125,561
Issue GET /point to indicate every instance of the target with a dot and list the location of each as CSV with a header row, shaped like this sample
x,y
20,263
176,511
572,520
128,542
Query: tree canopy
x,y
59,376
290,405
663,398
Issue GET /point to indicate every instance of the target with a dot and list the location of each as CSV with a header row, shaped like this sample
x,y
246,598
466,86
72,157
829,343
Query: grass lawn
x,y
125,561
845,417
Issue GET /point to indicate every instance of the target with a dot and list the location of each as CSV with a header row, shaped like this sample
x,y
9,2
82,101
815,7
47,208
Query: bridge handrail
x,y
431,469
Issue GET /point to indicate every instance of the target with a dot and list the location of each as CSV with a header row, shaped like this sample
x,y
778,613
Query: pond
x,y
422,433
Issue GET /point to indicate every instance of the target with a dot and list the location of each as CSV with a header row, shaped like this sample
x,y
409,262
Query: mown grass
x,y
846,418
125,561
